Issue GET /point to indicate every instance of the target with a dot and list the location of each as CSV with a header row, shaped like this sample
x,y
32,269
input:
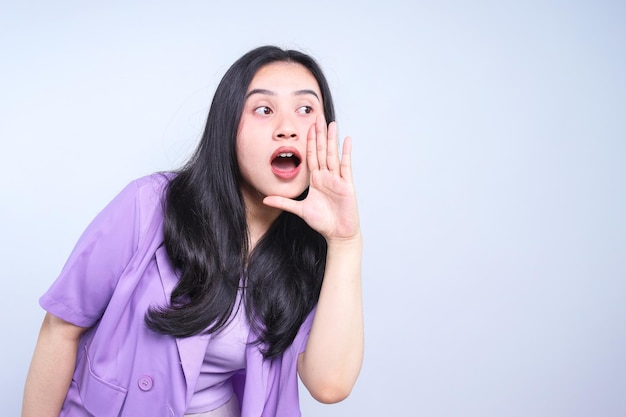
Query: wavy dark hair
x,y
206,234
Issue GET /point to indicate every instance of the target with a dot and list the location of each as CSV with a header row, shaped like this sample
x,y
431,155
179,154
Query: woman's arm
x,y
331,362
51,369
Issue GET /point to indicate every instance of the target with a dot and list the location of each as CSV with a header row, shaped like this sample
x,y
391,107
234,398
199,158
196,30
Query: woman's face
x,y
281,104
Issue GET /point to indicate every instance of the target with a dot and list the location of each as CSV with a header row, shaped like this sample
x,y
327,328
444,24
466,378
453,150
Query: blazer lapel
x,y
190,349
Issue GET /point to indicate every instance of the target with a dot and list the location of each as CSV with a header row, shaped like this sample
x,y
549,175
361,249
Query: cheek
x,y
243,156
305,127
250,159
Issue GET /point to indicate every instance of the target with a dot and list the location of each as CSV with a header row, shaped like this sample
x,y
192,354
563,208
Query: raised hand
x,y
330,206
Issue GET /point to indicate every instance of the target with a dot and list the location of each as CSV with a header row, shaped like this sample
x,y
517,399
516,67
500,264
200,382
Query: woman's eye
x,y
305,110
263,110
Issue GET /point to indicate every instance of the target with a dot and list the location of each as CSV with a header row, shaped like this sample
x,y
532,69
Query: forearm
x,y
51,369
334,353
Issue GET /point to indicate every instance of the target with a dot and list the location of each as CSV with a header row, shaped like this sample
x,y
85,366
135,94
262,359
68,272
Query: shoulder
x,y
151,186
146,193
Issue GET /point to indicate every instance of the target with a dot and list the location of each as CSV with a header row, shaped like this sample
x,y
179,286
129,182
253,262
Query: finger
x,y
346,159
311,151
321,140
285,204
332,155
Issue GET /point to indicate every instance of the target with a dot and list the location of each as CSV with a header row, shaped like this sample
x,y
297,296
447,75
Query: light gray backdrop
x,y
489,152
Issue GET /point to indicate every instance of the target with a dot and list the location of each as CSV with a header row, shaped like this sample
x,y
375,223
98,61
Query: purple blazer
x,y
118,269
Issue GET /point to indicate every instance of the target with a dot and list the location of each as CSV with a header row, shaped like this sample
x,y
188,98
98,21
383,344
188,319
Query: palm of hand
x,y
330,206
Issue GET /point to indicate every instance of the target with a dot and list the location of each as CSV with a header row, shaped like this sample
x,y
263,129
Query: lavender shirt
x,y
118,269
225,355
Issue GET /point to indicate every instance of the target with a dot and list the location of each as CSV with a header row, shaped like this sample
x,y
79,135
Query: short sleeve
x,y
83,289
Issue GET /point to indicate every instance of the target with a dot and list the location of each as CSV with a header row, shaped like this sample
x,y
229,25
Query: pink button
x,y
145,383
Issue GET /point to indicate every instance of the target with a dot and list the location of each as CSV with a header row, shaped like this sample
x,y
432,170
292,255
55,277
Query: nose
x,y
285,129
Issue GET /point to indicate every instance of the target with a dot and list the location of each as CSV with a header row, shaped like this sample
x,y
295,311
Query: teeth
x,y
286,154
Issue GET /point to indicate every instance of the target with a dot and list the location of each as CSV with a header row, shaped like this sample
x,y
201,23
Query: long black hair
x,y
206,234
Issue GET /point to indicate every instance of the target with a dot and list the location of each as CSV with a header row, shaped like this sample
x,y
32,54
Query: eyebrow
x,y
272,93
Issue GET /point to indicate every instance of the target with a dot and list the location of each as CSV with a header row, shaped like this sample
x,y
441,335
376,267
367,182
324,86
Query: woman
x,y
209,290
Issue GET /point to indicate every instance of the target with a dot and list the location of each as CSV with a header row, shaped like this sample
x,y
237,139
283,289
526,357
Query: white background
x,y
489,152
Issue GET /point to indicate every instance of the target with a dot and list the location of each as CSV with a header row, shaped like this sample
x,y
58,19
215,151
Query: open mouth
x,y
286,163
